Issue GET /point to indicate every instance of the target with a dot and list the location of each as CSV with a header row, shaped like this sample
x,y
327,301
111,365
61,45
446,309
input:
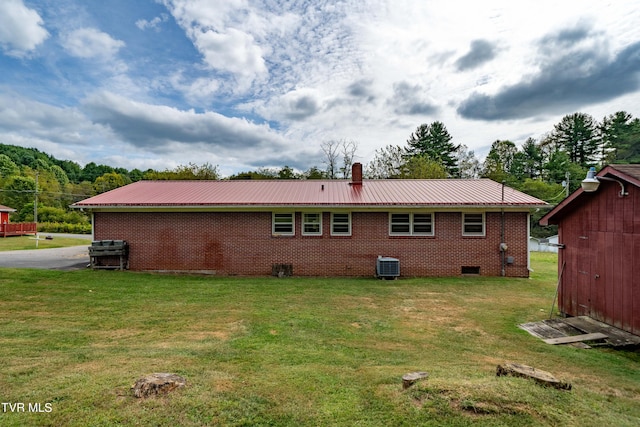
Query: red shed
x,y
4,214
599,231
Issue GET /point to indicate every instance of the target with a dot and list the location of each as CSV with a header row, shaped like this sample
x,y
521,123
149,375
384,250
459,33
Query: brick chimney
x,y
356,174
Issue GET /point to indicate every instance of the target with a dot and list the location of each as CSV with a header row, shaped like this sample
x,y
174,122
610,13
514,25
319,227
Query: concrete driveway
x,y
70,258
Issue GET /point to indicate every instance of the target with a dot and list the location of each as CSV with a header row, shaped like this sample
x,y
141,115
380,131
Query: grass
x,y
16,243
291,352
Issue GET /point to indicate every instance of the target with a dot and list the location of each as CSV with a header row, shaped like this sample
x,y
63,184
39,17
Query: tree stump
x,y
524,371
155,384
411,378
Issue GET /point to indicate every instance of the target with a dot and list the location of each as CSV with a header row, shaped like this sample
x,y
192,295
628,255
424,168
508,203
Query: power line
x,y
46,192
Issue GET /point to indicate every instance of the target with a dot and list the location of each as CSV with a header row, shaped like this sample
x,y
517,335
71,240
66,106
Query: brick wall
x,y
242,243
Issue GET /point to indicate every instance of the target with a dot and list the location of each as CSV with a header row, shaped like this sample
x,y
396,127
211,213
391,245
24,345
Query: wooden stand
x,y
109,254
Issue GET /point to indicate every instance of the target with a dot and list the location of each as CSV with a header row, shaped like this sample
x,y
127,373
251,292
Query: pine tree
x,y
434,142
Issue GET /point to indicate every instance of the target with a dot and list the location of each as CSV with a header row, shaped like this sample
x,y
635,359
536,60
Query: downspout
x,y
503,246
93,225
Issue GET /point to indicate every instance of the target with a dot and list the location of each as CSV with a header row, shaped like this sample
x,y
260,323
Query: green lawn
x,y
16,243
296,351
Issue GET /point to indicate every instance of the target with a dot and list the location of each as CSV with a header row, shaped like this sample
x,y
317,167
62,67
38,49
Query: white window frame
x,y
306,221
292,215
411,224
474,233
333,223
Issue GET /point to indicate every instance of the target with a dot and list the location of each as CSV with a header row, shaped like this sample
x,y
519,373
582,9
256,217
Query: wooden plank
x,y
562,326
565,331
576,338
615,336
552,328
541,330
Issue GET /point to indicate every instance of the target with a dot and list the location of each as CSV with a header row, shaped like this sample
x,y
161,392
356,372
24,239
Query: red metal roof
x,y
433,193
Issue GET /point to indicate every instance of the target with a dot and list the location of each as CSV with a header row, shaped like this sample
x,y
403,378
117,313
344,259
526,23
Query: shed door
x,y
601,283
583,277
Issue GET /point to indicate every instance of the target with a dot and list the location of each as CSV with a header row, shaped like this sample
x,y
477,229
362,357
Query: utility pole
x,y
35,209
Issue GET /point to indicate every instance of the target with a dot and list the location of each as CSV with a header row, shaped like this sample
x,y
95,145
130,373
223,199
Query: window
x,y
473,224
400,223
341,224
312,224
411,224
283,223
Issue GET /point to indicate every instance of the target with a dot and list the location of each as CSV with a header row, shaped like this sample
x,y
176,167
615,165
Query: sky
x,y
246,84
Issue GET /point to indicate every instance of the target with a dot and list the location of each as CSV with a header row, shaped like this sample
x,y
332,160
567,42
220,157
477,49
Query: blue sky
x,y
245,84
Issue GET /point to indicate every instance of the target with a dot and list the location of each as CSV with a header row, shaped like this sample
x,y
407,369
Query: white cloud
x,y
297,105
21,115
197,92
143,24
21,28
233,51
91,43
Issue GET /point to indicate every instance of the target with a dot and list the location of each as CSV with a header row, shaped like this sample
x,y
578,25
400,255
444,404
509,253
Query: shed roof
x,y
4,208
627,173
336,193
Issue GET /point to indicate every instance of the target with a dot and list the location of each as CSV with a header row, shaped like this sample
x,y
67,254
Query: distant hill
x,y
36,159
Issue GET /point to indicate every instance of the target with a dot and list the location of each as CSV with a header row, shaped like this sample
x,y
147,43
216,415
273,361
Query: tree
x,y
287,172
422,167
434,142
629,149
551,193
330,150
18,193
338,156
387,162
468,163
72,169
314,173
348,149
60,175
110,181
576,135
557,167
620,138
136,175
186,172
262,173
497,165
91,171
7,166
527,162
613,130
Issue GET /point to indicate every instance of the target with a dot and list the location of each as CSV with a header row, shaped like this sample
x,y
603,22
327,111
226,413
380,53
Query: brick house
x,y
599,234
319,227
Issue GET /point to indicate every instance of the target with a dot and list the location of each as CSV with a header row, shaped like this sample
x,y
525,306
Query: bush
x,y
51,214
63,227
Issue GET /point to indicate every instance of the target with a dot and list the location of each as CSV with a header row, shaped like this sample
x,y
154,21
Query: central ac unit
x,y
387,267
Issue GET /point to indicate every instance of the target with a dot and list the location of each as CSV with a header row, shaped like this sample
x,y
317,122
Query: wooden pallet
x,y
576,331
